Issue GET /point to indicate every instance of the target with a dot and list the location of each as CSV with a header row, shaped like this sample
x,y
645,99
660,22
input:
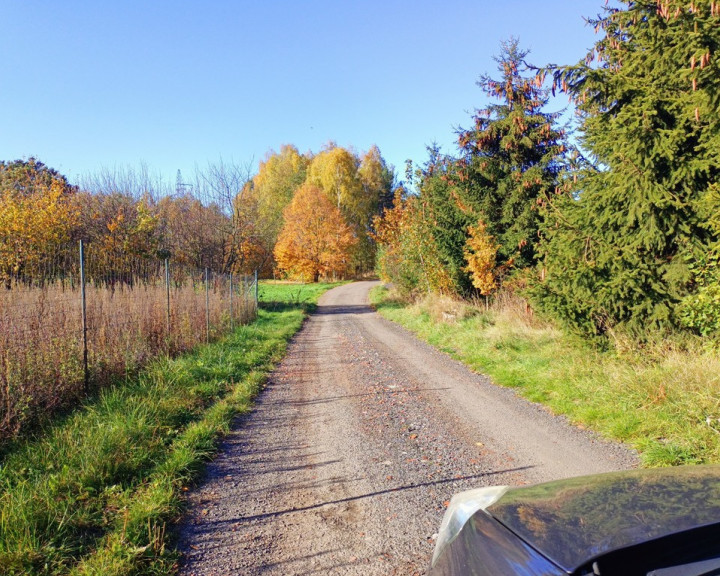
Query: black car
x,y
659,522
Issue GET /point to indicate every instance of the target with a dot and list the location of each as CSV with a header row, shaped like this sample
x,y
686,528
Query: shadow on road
x,y
344,309
373,494
328,399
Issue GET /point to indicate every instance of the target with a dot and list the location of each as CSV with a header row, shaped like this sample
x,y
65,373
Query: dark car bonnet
x,y
573,521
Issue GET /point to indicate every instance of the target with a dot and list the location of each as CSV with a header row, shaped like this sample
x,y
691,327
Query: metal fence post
x,y
86,371
256,291
167,297
232,324
207,305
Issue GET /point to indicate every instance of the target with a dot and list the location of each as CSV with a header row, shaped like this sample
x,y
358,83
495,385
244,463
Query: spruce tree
x,y
618,247
447,223
509,158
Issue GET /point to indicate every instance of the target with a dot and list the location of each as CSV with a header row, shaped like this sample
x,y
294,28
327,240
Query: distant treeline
x,y
224,219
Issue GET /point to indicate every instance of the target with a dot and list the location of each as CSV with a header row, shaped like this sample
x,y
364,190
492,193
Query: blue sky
x,y
177,84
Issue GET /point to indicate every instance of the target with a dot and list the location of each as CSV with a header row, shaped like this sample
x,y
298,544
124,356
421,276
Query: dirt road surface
x,y
360,438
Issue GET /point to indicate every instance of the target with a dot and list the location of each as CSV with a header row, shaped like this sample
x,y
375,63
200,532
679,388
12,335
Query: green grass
x,y
663,400
280,295
92,494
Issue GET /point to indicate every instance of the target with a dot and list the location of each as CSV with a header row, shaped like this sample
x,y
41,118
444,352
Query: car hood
x,y
573,521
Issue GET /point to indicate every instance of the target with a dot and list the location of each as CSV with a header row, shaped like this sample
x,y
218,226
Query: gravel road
x,y
357,443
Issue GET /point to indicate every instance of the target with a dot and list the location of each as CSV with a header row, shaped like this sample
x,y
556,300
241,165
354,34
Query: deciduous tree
x,y
377,180
222,188
334,171
31,176
194,233
315,240
407,251
358,187
480,253
277,179
38,215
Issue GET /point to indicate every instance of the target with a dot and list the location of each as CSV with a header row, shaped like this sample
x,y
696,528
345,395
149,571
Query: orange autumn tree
x,y
315,240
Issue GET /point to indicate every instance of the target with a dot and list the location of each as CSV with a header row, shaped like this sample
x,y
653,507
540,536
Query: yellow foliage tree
x,y
359,186
315,240
34,224
480,254
334,171
377,179
126,243
279,175
248,242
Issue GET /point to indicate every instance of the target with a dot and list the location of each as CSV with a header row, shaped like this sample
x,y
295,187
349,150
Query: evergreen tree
x,y
30,176
447,223
509,157
619,245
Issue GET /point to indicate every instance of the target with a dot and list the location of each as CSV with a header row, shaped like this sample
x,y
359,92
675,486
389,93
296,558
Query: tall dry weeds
x,y
41,338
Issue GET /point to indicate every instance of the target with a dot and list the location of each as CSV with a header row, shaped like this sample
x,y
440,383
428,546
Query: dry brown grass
x,y
446,309
41,345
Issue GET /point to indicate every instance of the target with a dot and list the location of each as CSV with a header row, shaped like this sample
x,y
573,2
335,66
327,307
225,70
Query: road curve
x,y
359,439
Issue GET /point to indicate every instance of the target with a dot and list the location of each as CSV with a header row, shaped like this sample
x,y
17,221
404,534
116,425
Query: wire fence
x,y
72,325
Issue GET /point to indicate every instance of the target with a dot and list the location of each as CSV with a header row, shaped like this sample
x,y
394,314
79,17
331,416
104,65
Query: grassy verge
x,y
663,401
92,494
